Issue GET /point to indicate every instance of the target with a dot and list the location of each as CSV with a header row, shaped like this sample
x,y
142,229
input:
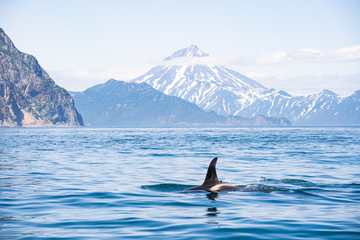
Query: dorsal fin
x,y
211,177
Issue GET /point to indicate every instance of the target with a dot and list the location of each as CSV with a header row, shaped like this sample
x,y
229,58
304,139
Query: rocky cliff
x,y
28,96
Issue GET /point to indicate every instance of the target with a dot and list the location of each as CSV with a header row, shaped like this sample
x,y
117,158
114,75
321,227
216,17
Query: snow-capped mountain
x,y
211,87
298,109
324,108
191,75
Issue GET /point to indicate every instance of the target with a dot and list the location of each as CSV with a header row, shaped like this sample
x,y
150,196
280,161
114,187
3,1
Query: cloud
x,y
303,55
272,58
303,85
309,55
306,54
346,54
255,75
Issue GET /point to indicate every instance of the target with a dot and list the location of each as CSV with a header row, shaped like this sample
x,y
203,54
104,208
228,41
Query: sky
x,y
301,47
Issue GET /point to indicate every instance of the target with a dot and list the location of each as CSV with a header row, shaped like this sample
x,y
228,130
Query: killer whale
x,y
212,183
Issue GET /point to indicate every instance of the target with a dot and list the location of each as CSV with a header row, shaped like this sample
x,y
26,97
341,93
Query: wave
x,y
292,181
173,187
167,187
287,186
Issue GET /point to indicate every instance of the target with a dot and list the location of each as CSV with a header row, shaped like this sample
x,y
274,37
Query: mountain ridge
x,y
121,104
229,93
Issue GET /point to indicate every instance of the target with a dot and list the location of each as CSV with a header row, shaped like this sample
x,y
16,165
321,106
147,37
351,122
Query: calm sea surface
x,y
85,183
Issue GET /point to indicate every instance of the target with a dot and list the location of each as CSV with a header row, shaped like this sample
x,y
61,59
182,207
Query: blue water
x,y
84,183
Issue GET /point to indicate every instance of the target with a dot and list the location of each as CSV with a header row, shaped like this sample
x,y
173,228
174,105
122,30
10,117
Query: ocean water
x,y
113,183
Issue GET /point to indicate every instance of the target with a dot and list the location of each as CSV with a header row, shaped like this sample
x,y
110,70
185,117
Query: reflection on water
x,y
212,196
212,212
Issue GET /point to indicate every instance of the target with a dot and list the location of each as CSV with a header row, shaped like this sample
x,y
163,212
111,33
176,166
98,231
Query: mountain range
x,y
186,74
28,96
185,89
121,104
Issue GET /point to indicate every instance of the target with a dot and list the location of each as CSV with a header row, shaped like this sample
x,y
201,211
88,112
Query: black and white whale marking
x,y
212,183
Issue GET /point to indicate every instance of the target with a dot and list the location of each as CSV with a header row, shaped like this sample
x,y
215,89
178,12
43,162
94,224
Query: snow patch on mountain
x,y
189,52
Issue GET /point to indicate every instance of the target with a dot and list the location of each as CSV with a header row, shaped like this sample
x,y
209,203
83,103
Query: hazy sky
x,y
301,47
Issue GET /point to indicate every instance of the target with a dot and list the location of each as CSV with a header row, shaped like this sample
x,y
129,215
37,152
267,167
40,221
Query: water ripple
x,y
83,183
